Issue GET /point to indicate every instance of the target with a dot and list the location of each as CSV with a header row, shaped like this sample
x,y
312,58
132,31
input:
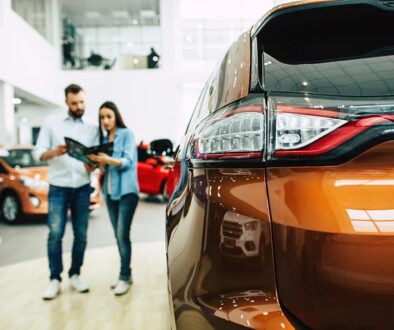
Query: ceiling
x,y
111,13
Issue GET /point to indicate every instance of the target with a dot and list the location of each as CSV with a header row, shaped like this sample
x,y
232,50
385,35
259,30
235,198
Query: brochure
x,y
79,151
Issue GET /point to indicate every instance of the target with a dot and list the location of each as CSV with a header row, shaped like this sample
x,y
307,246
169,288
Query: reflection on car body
x,y
242,236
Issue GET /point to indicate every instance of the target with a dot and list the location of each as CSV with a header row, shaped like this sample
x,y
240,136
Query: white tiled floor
x,y
24,275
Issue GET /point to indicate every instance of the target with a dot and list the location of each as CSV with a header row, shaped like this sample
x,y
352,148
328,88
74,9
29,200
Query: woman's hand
x,y
101,158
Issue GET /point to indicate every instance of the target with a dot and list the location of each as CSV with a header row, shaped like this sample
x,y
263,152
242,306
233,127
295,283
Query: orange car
x,y
24,186
282,212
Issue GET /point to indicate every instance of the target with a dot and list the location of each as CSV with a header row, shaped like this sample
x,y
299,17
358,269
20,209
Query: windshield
x,y
23,158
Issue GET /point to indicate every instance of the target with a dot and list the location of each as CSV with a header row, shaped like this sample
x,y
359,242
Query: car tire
x,y
10,208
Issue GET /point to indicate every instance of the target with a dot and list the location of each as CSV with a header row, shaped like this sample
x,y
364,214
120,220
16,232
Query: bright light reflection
x,y
372,221
340,183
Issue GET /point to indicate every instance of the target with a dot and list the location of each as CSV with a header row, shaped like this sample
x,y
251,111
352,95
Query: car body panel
x,y
334,227
201,274
152,171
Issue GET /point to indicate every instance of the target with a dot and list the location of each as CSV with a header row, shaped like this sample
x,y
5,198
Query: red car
x,y
154,161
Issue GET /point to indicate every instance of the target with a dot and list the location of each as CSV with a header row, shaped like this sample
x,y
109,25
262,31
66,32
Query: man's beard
x,y
76,114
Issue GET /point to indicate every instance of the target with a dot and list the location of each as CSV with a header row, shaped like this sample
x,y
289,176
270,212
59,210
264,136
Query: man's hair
x,y
73,89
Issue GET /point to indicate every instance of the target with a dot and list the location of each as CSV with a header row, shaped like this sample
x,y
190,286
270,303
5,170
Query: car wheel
x,y
10,208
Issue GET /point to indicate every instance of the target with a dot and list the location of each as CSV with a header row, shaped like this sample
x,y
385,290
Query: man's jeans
x,y
121,214
61,199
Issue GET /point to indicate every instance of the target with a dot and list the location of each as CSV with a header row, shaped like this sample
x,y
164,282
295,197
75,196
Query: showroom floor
x,y
24,275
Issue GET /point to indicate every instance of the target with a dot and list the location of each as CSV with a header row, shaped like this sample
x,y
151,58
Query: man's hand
x,y
61,149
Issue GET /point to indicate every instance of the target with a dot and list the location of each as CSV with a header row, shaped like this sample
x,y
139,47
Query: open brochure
x,y
79,151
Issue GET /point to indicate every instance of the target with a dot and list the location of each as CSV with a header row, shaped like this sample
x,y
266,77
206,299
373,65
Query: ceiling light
x,y
16,100
135,21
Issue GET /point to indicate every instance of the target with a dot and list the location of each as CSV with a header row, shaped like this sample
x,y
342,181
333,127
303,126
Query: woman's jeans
x,y
60,199
121,213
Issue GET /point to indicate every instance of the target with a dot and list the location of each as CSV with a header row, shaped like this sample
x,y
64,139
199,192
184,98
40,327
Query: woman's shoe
x,y
121,287
113,286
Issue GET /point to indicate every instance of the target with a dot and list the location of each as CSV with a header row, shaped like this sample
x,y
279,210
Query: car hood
x,y
40,173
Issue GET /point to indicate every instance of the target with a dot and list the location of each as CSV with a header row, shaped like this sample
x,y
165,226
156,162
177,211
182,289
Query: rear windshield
x,y
329,33
22,158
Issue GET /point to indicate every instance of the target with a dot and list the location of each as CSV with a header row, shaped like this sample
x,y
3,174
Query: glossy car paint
x,y
10,183
152,172
327,228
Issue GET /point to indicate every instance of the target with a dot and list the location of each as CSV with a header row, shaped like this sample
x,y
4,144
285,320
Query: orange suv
x,y
24,186
282,212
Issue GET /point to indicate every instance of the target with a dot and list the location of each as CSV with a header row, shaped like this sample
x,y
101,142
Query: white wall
x,y
149,100
27,60
35,113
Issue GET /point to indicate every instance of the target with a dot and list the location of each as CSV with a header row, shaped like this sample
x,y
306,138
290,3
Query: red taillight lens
x,y
310,127
234,132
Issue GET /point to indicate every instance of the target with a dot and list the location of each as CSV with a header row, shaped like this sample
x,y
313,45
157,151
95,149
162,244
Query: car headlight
x,y
33,183
34,201
250,225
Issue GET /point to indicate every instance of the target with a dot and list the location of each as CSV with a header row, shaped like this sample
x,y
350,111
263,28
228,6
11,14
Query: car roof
x,y
282,6
16,147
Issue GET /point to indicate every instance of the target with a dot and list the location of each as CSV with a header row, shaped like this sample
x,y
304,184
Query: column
x,y
7,114
168,27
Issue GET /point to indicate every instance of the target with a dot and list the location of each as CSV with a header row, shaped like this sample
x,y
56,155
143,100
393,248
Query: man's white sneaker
x,y
52,290
121,287
78,284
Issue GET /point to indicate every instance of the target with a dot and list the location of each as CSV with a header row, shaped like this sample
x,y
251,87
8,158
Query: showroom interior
x,y
196,164
104,47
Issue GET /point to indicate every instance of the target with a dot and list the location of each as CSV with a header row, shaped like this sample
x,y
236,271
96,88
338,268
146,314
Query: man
x,y
69,187
153,59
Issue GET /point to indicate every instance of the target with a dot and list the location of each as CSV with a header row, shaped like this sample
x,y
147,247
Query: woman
x,y
120,184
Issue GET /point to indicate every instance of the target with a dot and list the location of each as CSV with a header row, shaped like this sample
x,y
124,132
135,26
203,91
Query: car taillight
x,y
312,127
233,132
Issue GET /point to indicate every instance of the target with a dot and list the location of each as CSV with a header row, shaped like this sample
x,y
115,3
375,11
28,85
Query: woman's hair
x,y
118,117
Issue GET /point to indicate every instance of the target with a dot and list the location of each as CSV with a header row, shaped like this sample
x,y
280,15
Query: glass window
x,y
22,158
36,13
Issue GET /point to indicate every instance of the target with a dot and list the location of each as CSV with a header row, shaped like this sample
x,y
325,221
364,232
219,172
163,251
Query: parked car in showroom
x,y
24,185
154,161
294,130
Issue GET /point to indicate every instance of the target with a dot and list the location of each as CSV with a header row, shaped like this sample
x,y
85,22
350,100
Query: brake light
x,y
310,127
236,132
